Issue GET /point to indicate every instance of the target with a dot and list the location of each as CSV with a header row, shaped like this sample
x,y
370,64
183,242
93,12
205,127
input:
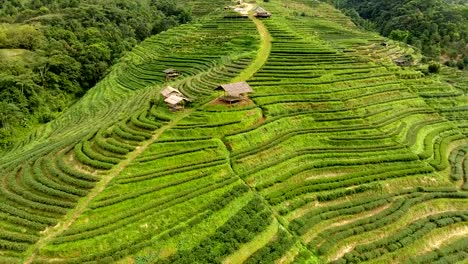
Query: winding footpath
x,y
262,54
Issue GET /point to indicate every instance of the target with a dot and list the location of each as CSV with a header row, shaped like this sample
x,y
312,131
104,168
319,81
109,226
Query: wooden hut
x,y
169,90
174,98
261,13
235,92
171,74
175,101
402,62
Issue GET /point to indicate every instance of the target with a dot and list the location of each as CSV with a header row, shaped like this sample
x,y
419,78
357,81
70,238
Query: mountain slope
x,y
340,155
438,28
52,52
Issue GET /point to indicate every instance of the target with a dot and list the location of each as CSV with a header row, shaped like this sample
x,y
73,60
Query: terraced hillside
x,y
340,156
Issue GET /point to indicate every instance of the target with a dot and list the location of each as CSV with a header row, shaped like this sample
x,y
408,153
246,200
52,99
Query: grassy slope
x,y
262,54
333,124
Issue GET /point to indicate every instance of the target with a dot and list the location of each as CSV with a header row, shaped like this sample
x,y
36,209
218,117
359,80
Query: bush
x,y
434,68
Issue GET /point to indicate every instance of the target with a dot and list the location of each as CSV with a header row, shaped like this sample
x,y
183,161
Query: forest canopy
x,y
438,28
53,51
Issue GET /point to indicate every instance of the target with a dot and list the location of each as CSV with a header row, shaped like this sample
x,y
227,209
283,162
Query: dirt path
x,y
262,54
445,238
70,218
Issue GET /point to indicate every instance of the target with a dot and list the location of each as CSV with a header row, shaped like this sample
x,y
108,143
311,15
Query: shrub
x,y
434,68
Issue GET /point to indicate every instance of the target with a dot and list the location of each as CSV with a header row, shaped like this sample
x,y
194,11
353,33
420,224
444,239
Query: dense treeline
x,y
438,28
53,51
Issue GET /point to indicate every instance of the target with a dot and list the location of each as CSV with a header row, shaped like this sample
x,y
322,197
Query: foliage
x,y
438,28
336,145
399,35
239,229
434,68
273,250
54,51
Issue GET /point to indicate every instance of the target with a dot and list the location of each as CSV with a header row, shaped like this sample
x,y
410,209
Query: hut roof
x,y
260,9
402,62
261,12
170,70
174,99
236,89
170,90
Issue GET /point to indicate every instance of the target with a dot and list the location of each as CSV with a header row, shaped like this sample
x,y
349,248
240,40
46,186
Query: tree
x,y
9,114
399,35
67,46
434,26
8,9
20,37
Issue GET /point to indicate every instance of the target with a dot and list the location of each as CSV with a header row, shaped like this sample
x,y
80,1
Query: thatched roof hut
x,y
402,62
174,99
170,70
236,89
170,90
235,92
171,73
261,12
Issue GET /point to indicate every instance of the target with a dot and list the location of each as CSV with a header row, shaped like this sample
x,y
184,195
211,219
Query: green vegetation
x,y
339,155
52,52
438,28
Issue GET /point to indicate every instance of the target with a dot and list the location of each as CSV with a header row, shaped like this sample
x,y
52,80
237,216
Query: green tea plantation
x,y
339,155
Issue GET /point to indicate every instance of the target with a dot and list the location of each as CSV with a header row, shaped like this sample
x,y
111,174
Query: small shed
x,y
171,73
261,12
175,101
174,98
170,90
402,62
235,92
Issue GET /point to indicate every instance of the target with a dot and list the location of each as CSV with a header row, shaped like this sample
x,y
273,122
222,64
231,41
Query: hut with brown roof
x,y
170,90
174,98
171,73
175,101
261,12
235,92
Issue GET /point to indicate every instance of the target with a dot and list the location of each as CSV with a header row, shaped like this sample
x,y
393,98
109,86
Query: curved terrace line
x,y
262,54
